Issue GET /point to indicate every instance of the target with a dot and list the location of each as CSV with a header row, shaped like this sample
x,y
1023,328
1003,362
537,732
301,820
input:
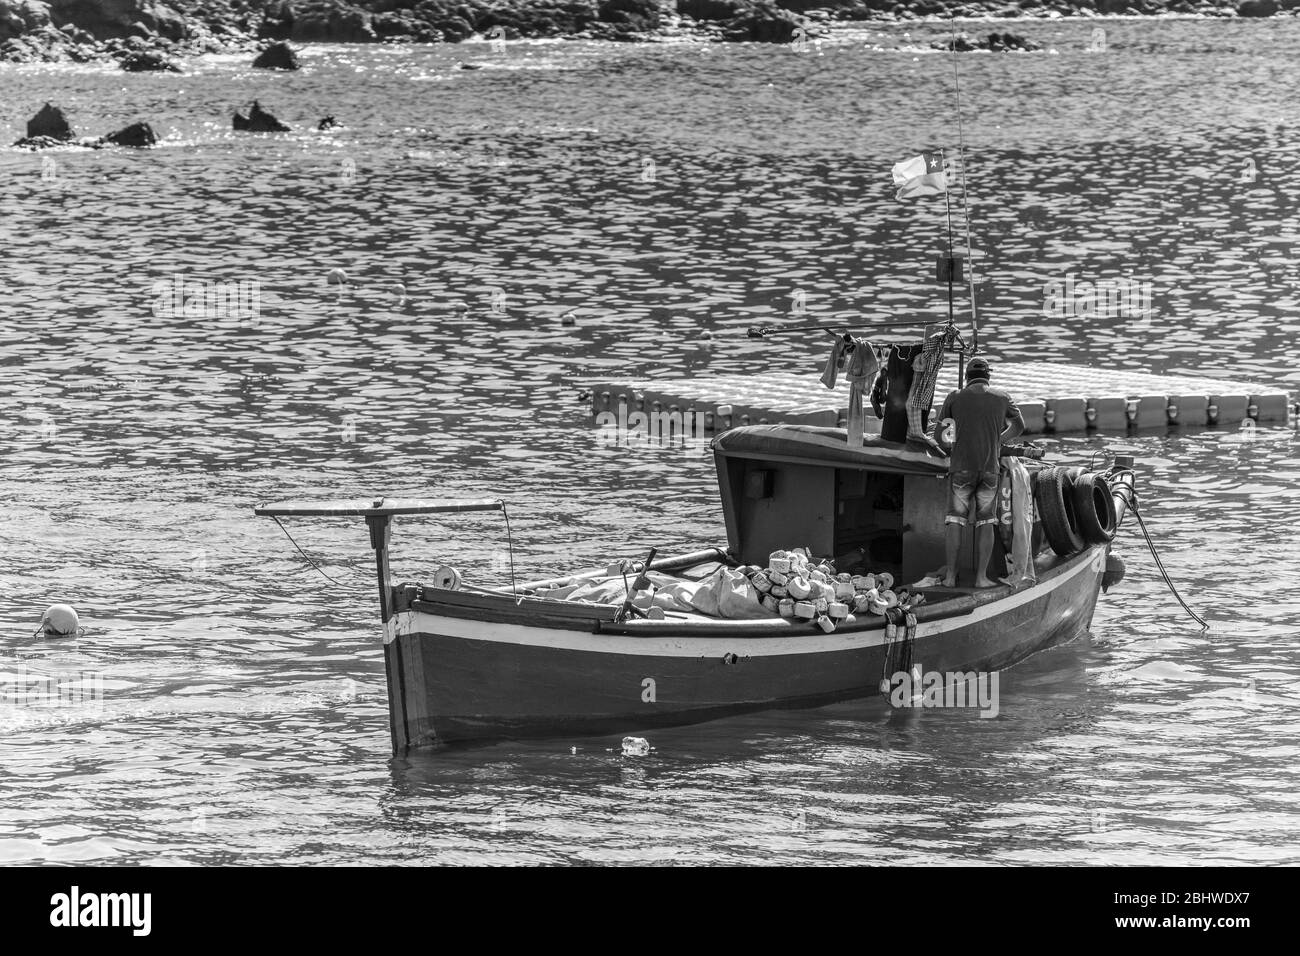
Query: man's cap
x,y
978,368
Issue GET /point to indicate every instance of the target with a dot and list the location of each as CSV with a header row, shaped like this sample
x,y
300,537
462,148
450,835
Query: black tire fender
x,y
1094,508
1056,511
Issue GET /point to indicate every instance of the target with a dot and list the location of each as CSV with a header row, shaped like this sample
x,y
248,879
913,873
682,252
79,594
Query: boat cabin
x,y
880,506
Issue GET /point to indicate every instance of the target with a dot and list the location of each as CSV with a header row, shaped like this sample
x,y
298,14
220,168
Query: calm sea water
x,y
659,191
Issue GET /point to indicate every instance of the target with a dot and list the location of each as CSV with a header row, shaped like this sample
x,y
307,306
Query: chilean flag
x,y
921,176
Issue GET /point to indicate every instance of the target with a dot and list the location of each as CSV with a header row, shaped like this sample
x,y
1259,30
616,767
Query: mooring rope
x,y
307,556
510,550
1131,497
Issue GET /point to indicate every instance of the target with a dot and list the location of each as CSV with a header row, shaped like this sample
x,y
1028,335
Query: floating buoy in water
x,y
336,277
569,318
1114,572
59,620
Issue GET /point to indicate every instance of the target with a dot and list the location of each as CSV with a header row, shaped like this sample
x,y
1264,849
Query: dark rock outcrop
x,y
277,56
149,62
329,21
1257,8
119,18
711,9
259,121
764,22
994,42
640,16
40,142
329,122
137,134
51,122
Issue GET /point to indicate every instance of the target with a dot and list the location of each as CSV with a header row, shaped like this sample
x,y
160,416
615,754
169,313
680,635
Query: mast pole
x,y
965,205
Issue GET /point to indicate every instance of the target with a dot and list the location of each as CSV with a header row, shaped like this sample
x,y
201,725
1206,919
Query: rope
x,y
1151,545
307,556
510,550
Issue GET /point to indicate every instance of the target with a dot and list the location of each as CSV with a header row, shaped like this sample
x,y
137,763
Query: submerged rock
x,y
149,62
329,122
259,121
137,134
1257,8
277,56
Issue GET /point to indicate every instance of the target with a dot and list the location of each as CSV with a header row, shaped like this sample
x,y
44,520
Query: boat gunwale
x,y
598,618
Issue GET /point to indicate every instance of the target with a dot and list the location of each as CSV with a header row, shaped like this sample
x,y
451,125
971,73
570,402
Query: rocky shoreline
x,y
145,35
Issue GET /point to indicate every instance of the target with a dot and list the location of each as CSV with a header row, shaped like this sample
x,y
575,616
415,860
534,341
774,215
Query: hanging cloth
x,y
832,370
897,385
1015,513
862,370
920,397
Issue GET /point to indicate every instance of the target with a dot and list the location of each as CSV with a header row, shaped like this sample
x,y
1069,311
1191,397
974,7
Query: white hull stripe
x,y
657,645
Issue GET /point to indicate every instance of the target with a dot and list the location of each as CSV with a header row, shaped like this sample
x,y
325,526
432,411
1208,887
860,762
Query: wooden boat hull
x,y
458,674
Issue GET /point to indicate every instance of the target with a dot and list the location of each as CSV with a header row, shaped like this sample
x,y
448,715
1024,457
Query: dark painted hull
x,y
456,675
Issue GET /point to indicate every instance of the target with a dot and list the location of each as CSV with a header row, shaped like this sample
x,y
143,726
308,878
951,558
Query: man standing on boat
x,y
982,419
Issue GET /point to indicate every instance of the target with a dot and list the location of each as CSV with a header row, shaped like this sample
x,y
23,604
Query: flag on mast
x,y
922,175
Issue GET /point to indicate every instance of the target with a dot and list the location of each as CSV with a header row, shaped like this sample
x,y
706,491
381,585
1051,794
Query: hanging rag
x,y
920,397
1015,511
862,369
895,386
832,371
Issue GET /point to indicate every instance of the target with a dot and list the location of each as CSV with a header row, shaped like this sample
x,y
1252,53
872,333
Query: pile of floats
x,y
797,588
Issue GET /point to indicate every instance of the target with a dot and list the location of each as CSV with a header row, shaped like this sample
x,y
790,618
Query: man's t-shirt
x,y
981,413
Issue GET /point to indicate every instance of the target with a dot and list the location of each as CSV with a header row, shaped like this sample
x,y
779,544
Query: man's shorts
x,y
962,486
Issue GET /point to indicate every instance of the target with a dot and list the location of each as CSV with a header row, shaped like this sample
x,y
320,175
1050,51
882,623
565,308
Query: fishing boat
x,y
471,663
822,525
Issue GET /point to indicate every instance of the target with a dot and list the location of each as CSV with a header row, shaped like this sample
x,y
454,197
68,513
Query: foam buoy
x,y
59,620
799,588
1114,572
336,277
884,580
448,579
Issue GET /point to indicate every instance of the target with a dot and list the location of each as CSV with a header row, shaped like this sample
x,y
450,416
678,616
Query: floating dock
x,y
1054,398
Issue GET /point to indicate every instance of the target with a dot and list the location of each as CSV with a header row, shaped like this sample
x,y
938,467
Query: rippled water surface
x,y
659,191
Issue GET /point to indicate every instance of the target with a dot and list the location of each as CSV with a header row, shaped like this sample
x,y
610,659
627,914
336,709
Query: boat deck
x,y
1054,398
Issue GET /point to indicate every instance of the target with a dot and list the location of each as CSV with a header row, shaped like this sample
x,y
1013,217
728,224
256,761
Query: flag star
x,y
933,162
